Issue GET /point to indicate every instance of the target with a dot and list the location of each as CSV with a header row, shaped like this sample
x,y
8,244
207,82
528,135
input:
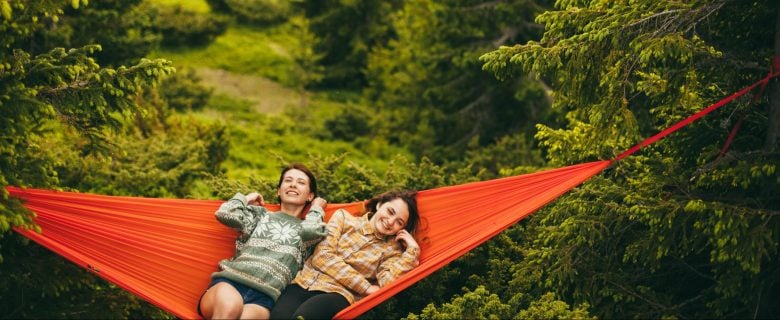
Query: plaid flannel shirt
x,y
352,257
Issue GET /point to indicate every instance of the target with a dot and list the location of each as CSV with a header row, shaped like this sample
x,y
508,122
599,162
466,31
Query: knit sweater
x,y
271,245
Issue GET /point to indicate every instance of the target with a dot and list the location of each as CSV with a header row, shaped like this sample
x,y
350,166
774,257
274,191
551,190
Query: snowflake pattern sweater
x,y
271,246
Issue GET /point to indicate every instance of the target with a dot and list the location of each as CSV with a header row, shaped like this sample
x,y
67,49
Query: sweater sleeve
x,y
312,225
236,214
326,257
397,265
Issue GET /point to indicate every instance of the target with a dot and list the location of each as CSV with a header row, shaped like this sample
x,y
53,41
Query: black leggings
x,y
298,302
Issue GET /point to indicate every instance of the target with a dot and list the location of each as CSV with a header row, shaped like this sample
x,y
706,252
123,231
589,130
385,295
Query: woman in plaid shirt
x,y
357,257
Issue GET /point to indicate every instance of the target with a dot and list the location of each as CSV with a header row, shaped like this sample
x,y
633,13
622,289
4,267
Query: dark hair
x,y
410,197
298,166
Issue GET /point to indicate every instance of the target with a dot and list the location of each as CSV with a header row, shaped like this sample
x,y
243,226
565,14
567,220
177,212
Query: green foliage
x,y
675,231
243,50
179,25
512,154
429,76
165,164
261,140
124,31
38,284
351,124
485,266
48,93
183,91
219,6
67,85
548,307
199,6
261,12
168,162
481,304
477,304
307,72
346,31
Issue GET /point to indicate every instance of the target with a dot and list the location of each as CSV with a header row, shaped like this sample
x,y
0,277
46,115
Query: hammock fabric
x,y
164,250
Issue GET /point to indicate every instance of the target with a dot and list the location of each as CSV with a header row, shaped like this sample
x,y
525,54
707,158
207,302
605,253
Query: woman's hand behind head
x,y
407,239
319,202
255,199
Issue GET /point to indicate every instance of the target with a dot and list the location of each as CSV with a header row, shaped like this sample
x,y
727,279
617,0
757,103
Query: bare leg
x,y
254,311
222,301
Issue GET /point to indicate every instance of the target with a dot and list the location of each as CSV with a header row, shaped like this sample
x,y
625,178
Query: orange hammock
x,y
164,250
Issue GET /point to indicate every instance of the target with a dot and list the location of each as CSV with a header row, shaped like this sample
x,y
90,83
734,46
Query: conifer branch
x,y
697,272
729,157
638,296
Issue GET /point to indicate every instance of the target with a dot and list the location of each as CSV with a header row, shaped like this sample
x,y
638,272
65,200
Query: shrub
x,y
260,11
183,91
352,123
164,164
220,6
181,26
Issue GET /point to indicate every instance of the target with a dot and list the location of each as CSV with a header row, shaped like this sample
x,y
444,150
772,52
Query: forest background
x,y
199,99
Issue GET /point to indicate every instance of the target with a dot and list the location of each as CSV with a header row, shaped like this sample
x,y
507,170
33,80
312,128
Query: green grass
x,y
260,142
241,50
249,69
194,5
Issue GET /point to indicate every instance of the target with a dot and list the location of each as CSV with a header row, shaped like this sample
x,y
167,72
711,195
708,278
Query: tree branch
x,y
506,34
76,84
697,272
653,16
728,158
638,296
482,99
481,6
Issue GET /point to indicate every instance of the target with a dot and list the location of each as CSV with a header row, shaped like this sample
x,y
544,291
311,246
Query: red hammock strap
x,y
695,116
732,134
776,63
774,67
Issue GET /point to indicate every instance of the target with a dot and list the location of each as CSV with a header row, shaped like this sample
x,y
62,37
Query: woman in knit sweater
x,y
359,255
270,248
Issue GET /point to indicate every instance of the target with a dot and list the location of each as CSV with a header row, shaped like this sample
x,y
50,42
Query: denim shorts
x,y
250,296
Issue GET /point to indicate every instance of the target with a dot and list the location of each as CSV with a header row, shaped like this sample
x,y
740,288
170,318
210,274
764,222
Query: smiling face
x,y
390,217
294,188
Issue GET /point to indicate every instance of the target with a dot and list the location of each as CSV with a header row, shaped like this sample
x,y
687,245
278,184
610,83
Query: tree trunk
x,y
773,131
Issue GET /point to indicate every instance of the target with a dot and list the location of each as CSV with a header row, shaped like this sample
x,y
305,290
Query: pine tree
x,y
429,77
60,84
345,32
676,230
43,90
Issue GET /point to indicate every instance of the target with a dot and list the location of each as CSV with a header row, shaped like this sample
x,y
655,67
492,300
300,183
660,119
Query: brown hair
x,y
410,197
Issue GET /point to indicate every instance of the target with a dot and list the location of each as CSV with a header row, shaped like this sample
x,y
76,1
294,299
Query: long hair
x,y
408,196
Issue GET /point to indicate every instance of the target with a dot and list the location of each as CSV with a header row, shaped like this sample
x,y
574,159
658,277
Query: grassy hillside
x,y
249,70
243,50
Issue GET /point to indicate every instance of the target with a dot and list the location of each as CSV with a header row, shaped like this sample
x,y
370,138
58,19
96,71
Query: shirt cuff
x,y
240,197
317,209
414,252
364,288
